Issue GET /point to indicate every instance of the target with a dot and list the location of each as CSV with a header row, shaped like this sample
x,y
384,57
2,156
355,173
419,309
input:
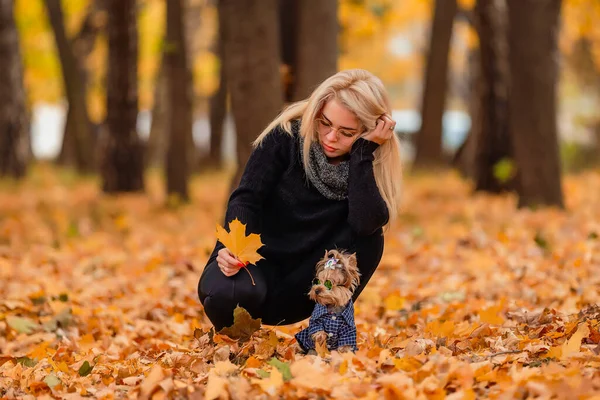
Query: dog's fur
x,y
345,281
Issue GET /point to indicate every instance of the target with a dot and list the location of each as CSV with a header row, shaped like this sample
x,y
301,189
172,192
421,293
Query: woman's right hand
x,y
227,262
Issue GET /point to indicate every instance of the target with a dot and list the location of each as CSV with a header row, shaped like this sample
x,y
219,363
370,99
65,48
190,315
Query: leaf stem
x,y
251,277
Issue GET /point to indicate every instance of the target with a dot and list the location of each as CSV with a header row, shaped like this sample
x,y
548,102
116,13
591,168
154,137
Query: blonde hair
x,y
364,95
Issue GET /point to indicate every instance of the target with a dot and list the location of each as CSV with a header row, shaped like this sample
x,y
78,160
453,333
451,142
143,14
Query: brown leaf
x,y
243,325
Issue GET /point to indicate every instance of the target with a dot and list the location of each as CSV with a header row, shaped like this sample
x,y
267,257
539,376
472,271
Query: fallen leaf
x,y
243,325
22,325
573,345
282,367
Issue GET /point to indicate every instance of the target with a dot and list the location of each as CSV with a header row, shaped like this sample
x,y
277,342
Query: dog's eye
x,y
328,284
316,282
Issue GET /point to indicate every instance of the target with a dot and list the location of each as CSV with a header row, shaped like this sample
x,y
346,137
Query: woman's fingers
x,y
227,263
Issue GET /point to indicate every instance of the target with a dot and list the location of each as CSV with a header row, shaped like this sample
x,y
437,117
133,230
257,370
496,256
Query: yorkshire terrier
x,y
332,320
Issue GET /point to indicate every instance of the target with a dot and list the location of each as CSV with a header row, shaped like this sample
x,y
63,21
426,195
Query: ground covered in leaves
x,y
473,299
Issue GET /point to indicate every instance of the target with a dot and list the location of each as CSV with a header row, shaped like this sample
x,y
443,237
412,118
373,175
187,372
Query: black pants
x,y
280,296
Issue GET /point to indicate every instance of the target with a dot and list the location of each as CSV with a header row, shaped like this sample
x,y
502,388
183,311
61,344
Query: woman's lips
x,y
328,148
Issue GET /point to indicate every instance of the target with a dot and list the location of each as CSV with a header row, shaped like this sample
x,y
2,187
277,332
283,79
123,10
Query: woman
x,y
324,174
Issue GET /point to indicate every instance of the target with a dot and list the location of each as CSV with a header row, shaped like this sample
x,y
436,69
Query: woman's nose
x,y
332,135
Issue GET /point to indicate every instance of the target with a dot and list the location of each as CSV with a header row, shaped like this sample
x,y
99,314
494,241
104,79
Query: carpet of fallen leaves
x,y
473,299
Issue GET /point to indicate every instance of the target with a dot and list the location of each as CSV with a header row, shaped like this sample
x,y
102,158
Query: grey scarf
x,y
329,179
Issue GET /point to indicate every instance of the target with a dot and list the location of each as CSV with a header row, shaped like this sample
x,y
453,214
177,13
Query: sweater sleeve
x,y
367,211
262,172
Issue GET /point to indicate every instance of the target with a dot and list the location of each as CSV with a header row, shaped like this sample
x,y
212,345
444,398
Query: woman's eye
x,y
347,134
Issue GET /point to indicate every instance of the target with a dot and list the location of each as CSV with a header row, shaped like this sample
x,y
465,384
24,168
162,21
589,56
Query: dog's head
x,y
336,278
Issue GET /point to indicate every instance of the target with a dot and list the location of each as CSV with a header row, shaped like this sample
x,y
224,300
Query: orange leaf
x,y
573,345
242,246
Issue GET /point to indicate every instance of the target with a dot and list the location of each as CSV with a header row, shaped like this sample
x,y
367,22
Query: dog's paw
x,y
345,349
319,337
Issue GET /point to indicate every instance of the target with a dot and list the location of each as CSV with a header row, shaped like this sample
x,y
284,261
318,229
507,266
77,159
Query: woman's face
x,y
338,128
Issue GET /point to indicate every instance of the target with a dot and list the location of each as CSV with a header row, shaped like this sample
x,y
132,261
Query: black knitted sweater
x,y
275,199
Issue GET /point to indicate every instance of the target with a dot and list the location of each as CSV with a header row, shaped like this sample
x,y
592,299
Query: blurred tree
x,y
156,149
82,45
288,30
122,158
489,129
77,139
316,45
179,104
14,121
251,44
429,138
533,61
217,109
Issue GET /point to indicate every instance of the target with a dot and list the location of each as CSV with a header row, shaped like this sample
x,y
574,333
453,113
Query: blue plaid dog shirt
x,y
339,327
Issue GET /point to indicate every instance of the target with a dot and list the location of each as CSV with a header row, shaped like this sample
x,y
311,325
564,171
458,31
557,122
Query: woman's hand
x,y
227,262
383,131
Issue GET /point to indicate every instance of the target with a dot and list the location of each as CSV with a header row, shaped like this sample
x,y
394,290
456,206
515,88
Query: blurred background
x,y
505,91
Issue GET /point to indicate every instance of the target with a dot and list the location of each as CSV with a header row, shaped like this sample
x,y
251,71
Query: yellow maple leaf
x,y
573,345
242,246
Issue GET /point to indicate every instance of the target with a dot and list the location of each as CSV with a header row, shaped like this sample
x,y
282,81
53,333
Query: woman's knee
x,y
220,294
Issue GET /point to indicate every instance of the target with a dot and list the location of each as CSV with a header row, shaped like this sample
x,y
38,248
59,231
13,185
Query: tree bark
x,y
122,164
179,106
533,31
217,112
78,129
157,140
288,30
251,39
429,139
14,122
490,127
317,49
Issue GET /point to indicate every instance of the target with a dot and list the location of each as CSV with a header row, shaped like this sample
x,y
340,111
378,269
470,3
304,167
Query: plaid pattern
x,y
340,328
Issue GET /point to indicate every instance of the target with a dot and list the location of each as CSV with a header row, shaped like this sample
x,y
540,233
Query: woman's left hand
x,y
383,131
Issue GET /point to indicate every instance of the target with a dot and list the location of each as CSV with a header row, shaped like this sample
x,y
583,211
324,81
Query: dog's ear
x,y
352,260
353,274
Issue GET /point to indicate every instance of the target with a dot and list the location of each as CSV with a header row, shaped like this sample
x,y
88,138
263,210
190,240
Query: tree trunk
x,y
157,141
251,40
122,164
14,123
179,105
533,31
429,139
79,127
317,49
288,30
218,111
490,126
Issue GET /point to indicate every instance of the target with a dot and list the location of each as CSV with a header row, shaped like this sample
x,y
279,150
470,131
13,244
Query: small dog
x,y
332,320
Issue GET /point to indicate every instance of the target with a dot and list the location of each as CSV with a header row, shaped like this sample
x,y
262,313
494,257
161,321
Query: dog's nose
x,y
318,291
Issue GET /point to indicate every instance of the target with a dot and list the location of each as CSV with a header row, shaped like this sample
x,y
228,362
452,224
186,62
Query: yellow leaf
x,y
343,367
491,315
394,302
215,387
40,351
242,246
554,352
439,329
272,384
151,381
573,345
407,364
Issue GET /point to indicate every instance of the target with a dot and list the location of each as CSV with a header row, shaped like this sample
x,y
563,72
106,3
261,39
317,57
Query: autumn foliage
x,y
473,299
